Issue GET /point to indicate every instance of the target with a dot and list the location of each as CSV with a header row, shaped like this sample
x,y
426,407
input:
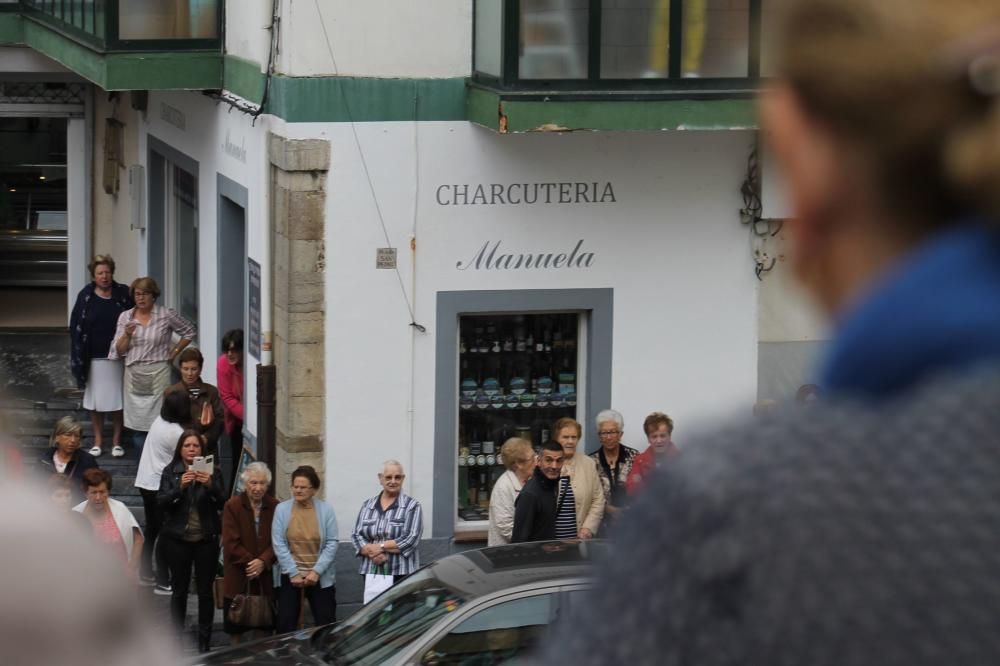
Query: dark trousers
x,y
322,601
154,521
235,440
204,556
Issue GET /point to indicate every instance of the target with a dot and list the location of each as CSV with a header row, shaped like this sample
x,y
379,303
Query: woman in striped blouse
x,y
387,532
144,338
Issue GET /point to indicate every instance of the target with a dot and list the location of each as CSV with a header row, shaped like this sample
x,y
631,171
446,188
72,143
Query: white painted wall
x,y
207,126
247,34
377,38
685,326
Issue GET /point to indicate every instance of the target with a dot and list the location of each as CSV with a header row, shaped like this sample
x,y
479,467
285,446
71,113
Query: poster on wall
x,y
245,459
253,334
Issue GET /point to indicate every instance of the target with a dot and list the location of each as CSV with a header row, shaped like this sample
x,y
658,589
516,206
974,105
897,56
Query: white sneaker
x,y
96,451
117,451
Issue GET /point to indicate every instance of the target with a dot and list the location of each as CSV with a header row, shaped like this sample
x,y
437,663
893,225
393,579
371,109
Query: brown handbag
x,y
252,610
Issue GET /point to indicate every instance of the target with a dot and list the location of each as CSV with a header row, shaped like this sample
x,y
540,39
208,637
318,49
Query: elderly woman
x,y
659,429
206,407
190,502
92,328
614,462
161,442
519,458
247,553
144,338
114,525
584,487
229,377
65,455
304,537
387,532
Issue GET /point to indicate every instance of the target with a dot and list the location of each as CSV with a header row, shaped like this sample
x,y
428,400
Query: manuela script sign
x,y
492,256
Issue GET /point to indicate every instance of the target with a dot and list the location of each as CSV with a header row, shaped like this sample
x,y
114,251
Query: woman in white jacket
x,y
519,458
114,525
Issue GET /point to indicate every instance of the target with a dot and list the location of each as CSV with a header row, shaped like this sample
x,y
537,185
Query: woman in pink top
x,y
114,525
229,376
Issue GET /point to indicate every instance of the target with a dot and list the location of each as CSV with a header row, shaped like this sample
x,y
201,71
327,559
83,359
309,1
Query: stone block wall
x,y
299,172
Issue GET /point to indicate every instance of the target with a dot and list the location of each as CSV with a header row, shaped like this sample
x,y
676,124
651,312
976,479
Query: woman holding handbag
x,y
247,554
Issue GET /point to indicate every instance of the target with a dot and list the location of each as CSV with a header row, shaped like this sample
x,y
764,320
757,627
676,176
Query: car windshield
x,y
391,621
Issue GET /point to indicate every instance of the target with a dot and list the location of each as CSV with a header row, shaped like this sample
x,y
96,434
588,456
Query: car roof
x,y
483,571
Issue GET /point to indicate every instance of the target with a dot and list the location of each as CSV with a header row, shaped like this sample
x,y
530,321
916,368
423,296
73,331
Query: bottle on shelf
x,y
566,377
475,444
488,443
469,384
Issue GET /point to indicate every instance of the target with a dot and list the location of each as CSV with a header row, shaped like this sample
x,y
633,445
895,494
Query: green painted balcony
x,y
124,44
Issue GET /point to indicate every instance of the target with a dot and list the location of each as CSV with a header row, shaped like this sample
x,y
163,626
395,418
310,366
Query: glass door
x,y
517,376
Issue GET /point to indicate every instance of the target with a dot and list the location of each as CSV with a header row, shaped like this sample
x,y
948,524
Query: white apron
x,y
143,395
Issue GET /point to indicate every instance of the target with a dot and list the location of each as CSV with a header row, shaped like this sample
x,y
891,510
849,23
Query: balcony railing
x,y
134,25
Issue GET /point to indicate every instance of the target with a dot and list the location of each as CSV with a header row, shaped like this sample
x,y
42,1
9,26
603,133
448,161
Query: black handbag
x,y
252,610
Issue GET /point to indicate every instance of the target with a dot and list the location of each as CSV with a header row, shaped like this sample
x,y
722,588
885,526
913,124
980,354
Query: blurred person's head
x,y
102,270
550,460
66,435
190,362
256,479
807,393
113,631
567,432
176,407
232,346
610,426
60,492
659,429
885,123
305,482
519,457
190,445
144,291
96,484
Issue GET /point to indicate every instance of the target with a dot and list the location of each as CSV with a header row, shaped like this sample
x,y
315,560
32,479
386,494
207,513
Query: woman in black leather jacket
x,y
190,503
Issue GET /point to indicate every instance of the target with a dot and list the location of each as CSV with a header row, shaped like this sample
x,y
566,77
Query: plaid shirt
x,y
401,522
152,343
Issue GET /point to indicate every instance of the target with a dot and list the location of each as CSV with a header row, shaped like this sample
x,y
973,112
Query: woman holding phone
x,y
190,500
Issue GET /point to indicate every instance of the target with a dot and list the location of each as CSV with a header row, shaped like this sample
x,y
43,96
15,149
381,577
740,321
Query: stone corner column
x,y
298,201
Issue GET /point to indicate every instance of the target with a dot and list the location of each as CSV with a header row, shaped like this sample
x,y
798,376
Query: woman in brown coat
x,y
246,542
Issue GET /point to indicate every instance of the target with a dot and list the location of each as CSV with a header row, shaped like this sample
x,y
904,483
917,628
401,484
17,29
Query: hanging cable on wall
x,y
752,216
364,167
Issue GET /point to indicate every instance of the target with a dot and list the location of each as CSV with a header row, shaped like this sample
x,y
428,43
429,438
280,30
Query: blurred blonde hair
x,y
516,450
893,77
67,425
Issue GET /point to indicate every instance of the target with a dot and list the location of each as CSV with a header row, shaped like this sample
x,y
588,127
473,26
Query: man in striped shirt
x,y
537,506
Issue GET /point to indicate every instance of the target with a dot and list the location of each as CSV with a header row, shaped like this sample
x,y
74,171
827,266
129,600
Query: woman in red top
x,y
229,377
659,429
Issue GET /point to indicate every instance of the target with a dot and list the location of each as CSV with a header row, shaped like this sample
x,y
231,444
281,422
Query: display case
x,y
517,376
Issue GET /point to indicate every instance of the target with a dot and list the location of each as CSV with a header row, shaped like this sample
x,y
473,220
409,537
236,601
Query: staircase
x,y
36,390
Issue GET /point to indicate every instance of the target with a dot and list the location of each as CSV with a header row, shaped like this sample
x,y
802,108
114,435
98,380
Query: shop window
x,y
517,376
614,44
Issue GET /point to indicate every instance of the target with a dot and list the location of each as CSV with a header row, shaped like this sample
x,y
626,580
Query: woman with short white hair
x,y
387,532
614,463
247,553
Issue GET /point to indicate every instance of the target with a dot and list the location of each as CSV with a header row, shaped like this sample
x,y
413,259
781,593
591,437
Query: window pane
x,y
716,38
167,19
186,250
489,22
553,39
495,634
635,35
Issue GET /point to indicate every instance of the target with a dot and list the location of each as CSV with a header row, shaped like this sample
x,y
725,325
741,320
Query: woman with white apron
x,y
144,338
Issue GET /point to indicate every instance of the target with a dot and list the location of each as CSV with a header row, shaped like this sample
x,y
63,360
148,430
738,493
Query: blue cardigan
x,y
328,539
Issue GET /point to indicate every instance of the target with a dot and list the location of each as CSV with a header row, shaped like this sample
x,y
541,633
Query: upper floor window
x,y
615,44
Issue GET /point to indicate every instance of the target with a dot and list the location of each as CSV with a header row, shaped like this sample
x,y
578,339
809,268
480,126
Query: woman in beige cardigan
x,y
582,473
